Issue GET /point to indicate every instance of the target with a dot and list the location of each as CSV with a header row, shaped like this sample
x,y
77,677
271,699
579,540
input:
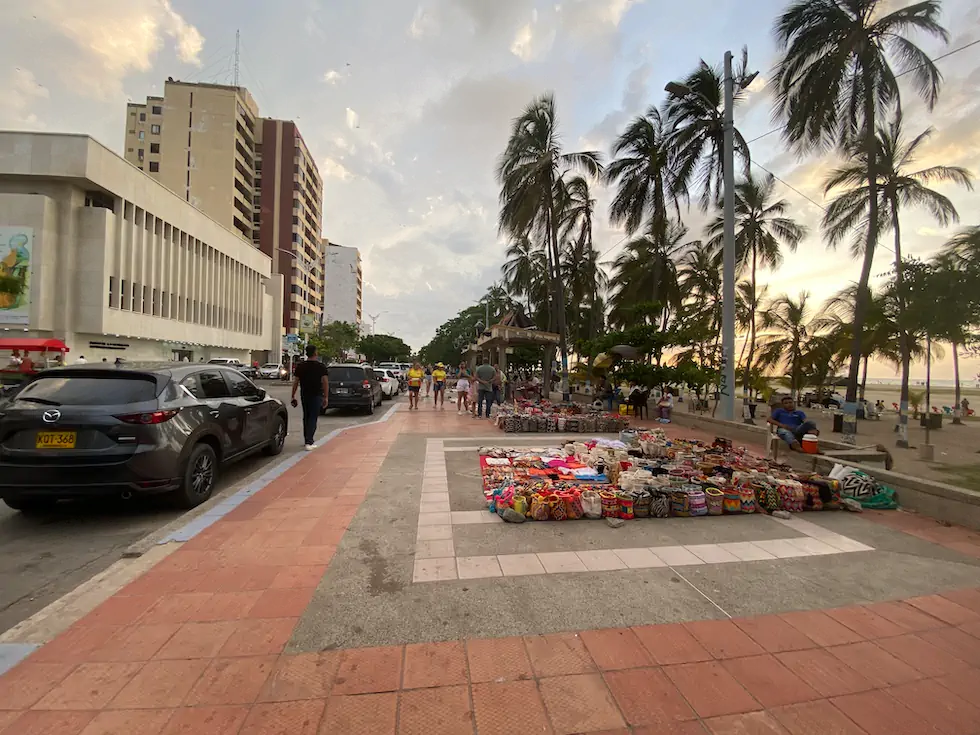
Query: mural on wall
x,y
16,246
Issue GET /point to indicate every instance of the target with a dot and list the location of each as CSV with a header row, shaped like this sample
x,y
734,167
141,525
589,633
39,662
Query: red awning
x,y
32,344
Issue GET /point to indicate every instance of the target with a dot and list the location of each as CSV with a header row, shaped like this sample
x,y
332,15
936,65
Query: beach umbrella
x,y
625,351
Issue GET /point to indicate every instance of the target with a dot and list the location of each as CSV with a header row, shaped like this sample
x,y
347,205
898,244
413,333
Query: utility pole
x,y
238,40
726,386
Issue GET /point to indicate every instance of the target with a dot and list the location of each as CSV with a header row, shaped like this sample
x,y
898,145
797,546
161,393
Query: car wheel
x,y
31,505
200,477
278,438
370,407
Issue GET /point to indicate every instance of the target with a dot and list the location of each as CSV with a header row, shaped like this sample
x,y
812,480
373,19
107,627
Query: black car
x,y
353,386
101,430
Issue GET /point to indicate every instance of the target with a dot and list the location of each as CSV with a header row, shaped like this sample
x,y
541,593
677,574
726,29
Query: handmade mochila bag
x,y
716,499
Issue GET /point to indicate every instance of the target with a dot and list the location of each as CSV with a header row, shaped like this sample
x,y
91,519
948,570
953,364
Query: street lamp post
x,y
726,387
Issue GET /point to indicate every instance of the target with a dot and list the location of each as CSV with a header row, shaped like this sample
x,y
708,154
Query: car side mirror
x,y
259,394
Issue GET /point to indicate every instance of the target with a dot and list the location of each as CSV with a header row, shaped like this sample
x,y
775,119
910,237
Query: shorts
x,y
428,378
463,386
414,388
438,386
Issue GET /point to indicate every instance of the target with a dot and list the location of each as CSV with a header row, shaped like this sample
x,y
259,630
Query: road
x,y
44,557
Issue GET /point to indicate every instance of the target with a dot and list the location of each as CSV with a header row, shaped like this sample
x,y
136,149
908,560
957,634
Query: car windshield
x,y
270,366
88,390
345,374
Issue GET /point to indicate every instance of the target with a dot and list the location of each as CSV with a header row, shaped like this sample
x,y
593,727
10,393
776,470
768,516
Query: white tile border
x,y
434,563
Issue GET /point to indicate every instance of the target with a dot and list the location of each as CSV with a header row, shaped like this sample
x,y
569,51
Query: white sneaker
x,y
309,447
459,413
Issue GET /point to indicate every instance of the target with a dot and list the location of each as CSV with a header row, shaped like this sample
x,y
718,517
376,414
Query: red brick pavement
x,y
196,645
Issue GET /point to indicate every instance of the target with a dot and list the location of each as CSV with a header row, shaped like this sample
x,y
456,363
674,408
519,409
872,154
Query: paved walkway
x,y
299,613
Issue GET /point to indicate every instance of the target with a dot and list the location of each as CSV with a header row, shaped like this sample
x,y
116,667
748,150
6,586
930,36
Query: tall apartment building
x,y
343,283
288,218
198,140
207,143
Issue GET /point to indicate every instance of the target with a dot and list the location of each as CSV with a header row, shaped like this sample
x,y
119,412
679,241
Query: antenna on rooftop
x,y
237,53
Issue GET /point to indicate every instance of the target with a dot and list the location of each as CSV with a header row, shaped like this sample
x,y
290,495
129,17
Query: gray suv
x,y
102,430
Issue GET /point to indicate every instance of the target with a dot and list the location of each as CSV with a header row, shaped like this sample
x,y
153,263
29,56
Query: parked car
x,y
353,386
247,370
90,430
390,387
273,371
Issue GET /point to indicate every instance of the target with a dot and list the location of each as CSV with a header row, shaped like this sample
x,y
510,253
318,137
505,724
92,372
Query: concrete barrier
x,y
938,500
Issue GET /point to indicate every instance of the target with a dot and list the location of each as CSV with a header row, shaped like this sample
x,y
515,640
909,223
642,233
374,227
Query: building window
x,y
154,166
142,135
113,302
129,150
133,113
142,117
154,147
155,129
295,220
156,110
139,154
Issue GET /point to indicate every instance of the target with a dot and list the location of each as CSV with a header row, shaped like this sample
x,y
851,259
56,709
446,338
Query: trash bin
x,y
935,420
838,423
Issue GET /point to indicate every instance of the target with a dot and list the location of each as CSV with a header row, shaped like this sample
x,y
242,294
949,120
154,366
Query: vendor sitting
x,y
665,406
791,423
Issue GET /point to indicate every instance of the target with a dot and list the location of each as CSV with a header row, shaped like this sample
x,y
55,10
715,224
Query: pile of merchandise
x,y
538,417
646,475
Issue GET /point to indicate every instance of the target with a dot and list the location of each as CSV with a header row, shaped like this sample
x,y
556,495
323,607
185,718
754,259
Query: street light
x,y
726,385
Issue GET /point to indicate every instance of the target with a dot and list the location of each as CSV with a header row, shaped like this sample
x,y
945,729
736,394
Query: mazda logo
x,y
49,417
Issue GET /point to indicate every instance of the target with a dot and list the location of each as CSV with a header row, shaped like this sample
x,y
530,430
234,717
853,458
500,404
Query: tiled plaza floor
x,y
209,640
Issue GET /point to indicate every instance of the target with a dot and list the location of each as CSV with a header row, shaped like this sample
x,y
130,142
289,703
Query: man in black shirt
x,y
311,379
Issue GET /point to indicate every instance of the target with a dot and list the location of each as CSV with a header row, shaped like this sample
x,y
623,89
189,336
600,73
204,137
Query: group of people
x,y
633,393
476,389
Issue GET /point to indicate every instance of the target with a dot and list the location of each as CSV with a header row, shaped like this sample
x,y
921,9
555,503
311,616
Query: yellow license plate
x,y
55,440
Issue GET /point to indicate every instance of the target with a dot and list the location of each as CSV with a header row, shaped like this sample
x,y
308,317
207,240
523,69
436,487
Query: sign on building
x,y
307,323
16,249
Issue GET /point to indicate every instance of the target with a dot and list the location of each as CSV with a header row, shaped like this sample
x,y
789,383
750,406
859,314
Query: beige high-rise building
x,y
198,140
207,143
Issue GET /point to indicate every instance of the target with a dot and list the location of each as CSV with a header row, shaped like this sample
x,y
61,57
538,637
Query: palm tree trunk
x,y
904,347
861,305
864,375
751,357
957,411
560,293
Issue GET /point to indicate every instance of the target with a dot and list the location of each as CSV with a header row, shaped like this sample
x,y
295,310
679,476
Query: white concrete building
x,y
343,282
117,265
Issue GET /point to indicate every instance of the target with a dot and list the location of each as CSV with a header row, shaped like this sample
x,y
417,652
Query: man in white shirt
x,y
81,360
664,406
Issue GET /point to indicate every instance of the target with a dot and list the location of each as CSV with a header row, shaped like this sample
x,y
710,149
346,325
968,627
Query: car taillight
x,y
153,417
366,384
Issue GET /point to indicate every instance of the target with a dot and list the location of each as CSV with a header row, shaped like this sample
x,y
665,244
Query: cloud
x,y
23,92
332,77
109,38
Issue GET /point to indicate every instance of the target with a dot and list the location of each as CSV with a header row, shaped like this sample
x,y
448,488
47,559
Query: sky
x,y
406,105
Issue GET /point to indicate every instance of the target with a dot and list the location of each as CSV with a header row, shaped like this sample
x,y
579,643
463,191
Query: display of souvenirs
x,y
643,474
540,417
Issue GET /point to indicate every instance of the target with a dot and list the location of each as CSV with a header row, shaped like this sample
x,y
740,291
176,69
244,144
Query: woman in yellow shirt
x,y
415,377
439,386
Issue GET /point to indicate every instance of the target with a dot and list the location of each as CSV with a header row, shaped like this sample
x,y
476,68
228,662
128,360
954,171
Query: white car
x,y
273,371
390,386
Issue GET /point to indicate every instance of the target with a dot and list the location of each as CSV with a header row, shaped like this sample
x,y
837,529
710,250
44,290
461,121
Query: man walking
x,y
485,375
311,379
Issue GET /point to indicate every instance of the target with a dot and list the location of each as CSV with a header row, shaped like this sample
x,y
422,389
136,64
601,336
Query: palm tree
x,y
833,79
747,300
836,320
786,324
525,273
761,227
696,127
585,280
646,270
955,305
899,187
641,174
529,171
